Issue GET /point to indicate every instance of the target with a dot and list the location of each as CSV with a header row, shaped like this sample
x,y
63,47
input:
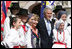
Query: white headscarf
x,y
65,24
58,23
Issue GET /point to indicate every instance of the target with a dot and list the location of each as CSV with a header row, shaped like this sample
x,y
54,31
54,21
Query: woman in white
x,y
61,36
62,15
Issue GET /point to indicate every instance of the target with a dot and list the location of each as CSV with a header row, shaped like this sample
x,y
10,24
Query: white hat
x,y
58,23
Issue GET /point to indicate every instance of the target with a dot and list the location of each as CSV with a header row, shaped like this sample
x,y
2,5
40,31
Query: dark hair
x,y
11,10
61,13
10,20
29,16
13,19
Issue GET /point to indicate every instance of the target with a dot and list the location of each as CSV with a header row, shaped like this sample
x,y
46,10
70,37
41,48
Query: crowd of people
x,y
24,30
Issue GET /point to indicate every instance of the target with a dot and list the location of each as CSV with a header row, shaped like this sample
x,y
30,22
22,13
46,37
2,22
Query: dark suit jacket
x,y
46,40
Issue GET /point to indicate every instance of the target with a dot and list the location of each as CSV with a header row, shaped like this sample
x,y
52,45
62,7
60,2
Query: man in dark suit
x,y
45,28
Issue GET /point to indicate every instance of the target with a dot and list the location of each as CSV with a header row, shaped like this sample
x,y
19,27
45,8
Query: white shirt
x,y
69,30
13,38
65,25
28,36
60,37
47,25
68,19
6,27
22,36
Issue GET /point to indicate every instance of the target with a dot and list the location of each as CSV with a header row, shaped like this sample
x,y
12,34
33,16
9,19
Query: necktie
x,y
48,27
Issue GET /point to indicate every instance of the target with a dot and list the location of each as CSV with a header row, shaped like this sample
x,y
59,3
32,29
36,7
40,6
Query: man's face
x,y
48,14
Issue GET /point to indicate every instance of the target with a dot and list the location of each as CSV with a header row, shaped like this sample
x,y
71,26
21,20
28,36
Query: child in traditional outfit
x,y
23,13
61,36
13,38
14,9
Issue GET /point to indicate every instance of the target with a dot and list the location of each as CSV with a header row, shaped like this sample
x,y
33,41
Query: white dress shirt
x,y
48,28
28,36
